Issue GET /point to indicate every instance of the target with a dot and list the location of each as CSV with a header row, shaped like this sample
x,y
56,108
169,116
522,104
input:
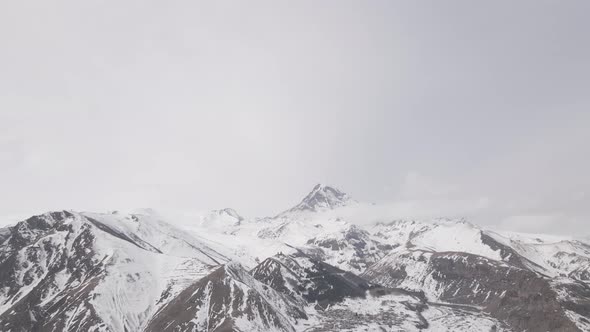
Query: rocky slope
x,y
303,277
66,271
228,299
306,269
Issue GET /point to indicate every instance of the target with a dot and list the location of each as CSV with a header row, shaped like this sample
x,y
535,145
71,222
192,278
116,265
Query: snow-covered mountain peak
x,y
320,198
221,218
325,196
147,270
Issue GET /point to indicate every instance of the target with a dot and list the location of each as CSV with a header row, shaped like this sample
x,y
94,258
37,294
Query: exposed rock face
x,y
301,276
35,259
320,198
65,271
574,297
352,247
358,305
507,254
229,299
4,234
519,297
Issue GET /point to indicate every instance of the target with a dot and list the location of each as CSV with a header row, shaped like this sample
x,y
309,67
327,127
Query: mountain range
x,y
306,269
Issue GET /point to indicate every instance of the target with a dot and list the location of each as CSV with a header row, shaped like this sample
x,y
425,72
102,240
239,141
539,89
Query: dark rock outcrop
x,y
301,276
519,297
30,259
228,299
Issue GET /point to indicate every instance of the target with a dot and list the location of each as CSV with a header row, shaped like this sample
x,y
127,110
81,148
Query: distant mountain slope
x,y
301,276
228,299
308,269
320,198
519,297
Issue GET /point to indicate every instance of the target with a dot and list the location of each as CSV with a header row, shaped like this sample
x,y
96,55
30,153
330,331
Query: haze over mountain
x,y
451,109
159,161
305,269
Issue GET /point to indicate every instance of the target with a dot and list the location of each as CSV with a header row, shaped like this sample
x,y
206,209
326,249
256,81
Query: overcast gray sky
x,y
456,108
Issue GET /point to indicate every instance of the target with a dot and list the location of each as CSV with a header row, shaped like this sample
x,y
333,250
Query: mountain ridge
x,y
308,270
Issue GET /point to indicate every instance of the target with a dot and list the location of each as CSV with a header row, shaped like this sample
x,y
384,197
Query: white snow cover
x,y
551,255
439,235
142,259
148,253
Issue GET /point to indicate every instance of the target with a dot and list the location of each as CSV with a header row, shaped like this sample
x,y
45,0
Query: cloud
x,y
365,214
417,185
429,109
539,224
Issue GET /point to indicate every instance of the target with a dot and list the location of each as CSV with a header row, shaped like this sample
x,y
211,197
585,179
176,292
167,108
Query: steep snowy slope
x,y
149,228
551,255
314,215
437,236
68,271
228,299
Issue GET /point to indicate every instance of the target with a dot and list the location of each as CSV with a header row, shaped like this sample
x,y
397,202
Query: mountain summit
x,y
321,198
303,271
